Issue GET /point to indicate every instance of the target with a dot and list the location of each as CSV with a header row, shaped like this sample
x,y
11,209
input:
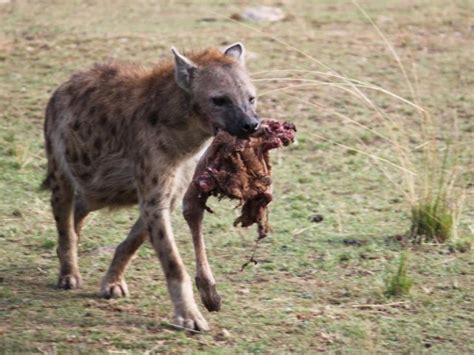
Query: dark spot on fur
x,y
74,157
87,94
69,90
173,270
161,235
85,159
92,110
162,146
152,201
113,130
150,230
119,95
154,180
85,177
153,118
141,162
103,120
76,125
118,113
73,100
109,72
98,144
123,192
196,108
180,124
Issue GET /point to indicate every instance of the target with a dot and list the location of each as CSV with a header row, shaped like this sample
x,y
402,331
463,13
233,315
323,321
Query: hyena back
x,y
117,135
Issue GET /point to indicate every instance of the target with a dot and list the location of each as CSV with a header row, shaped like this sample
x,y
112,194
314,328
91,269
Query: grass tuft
x,y
400,283
432,221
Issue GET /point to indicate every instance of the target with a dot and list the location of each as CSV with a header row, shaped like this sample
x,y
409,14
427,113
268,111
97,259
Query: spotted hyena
x,y
119,135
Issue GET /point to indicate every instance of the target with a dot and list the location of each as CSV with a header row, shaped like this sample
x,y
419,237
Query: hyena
x,y
121,134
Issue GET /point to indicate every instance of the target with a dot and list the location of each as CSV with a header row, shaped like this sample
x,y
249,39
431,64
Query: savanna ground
x,y
318,286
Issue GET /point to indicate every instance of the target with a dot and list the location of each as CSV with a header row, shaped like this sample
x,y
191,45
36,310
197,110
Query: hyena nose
x,y
251,127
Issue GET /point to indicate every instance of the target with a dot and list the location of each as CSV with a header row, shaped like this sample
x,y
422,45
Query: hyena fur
x,y
119,135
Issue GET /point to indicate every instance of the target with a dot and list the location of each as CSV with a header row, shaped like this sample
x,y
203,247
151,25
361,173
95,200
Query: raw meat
x,y
239,168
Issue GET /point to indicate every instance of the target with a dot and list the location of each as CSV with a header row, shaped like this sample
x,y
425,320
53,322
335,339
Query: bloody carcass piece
x,y
239,168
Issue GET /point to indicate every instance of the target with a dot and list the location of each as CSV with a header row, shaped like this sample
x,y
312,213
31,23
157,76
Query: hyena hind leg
x,y
113,284
62,201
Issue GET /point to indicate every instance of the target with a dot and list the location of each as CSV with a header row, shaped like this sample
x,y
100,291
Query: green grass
x,y
400,283
432,222
317,286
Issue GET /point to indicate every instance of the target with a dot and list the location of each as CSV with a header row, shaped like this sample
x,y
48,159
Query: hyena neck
x,y
169,114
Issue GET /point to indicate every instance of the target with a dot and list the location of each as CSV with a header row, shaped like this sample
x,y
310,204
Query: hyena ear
x,y
237,51
184,70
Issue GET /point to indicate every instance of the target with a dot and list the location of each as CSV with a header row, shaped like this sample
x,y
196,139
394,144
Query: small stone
x,y
225,333
17,213
317,218
103,251
260,13
244,291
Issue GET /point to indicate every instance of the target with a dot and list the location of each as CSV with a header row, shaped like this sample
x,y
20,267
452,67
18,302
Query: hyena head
x,y
221,91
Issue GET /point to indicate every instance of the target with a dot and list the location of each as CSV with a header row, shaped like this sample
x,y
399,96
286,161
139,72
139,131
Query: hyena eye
x,y
220,100
252,99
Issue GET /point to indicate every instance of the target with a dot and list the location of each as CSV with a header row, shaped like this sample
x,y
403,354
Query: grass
x,y
400,283
317,286
432,222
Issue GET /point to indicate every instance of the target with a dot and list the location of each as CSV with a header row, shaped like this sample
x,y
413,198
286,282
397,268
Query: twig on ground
x,y
299,231
182,328
446,260
385,305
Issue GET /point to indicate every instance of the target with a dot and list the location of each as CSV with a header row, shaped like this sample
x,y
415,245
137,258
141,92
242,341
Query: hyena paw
x,y
69,281
191,318
114,289
209,296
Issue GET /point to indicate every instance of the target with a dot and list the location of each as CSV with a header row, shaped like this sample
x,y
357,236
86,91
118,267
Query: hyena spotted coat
x,y
118,135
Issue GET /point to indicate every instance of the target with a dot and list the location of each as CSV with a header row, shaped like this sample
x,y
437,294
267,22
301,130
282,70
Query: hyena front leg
x,y
155,209
193,211
113,284
62,200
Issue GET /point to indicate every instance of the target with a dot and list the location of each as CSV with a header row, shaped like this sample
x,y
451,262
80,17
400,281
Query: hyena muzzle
x,y
119,135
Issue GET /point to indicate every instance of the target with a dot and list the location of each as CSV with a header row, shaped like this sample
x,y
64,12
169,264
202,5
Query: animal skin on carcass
x,y
239,168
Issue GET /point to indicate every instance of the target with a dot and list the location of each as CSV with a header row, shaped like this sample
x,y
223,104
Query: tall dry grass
x,y
429,170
